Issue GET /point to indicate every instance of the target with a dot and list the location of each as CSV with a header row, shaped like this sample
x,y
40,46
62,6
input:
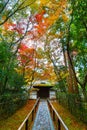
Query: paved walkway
x,y
43,119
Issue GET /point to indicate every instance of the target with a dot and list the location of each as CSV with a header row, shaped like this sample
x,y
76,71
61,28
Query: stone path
x,y
43,119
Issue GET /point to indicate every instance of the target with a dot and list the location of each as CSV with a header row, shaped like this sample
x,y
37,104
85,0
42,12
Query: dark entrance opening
x,y
43,92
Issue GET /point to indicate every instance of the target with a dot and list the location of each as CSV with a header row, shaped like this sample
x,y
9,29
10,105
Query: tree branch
x,y
4,7
18,8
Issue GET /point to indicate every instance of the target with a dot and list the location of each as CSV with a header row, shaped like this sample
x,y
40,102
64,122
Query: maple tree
x,y
43,42
61,25
54,33
12,34
13,28
46,67
43,23
32,66
27,62
53,25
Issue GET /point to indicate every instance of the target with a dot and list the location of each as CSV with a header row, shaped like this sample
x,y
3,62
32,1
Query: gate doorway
x,y
43,91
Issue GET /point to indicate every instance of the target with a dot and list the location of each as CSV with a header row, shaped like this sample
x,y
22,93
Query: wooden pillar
x,y
32,115
26,125
53,115
59,126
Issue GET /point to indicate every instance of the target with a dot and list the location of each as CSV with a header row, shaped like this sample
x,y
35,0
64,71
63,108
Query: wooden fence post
x,y
32,115
35,108
26,125
53,115
59,126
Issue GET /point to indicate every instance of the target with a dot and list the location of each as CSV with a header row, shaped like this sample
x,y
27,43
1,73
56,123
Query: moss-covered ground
x,y
71,122
14,121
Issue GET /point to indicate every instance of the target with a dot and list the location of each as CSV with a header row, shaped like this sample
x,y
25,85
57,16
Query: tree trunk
x,y
71,79
84,93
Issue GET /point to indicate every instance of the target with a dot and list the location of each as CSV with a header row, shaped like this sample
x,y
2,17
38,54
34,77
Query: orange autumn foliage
x,y
25,54
12,27
39,16
45,18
